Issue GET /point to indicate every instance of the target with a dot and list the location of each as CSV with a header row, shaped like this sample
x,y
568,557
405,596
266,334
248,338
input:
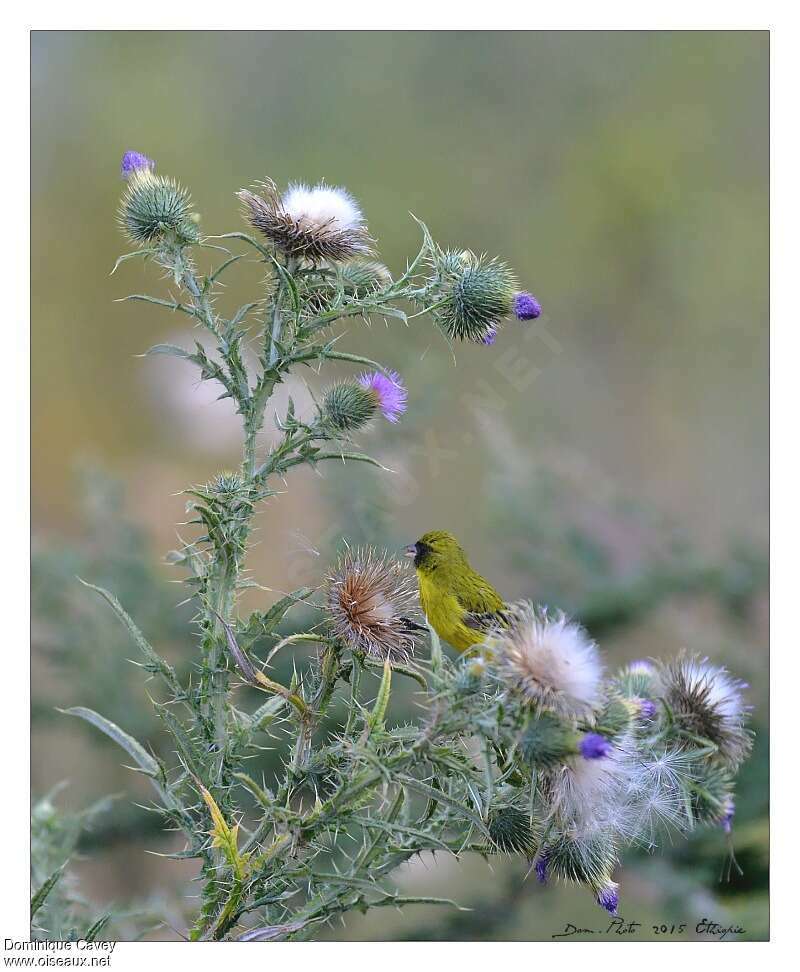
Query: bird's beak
x,y
410,550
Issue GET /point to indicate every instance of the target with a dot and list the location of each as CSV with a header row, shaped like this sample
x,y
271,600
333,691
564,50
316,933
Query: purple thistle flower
x,y
647,708
541,868
594,746
727,818
389,391
490,336
608,898
526,306
133,161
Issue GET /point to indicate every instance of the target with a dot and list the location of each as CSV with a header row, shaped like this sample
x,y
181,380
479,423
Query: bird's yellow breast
x,y
445,614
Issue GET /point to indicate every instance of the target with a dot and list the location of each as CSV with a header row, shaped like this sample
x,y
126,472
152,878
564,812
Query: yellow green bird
x,y
459,604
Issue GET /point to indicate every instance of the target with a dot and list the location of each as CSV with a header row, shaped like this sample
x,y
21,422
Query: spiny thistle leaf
x,y
40,896
134,749
225,837
154,662
94,930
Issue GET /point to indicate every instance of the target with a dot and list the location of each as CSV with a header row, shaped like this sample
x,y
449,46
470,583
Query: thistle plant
x,y
525,745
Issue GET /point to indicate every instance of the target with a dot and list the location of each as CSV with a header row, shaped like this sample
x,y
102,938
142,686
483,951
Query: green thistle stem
x,y
355,682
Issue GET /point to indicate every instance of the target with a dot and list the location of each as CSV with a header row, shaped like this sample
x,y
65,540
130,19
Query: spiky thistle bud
x,y
156,209
616,717
371,600
711,792
469,676
348,406
547,741
587,860
474,293
361,277
638,678
319,223
319,772
226,483
510,830
356,279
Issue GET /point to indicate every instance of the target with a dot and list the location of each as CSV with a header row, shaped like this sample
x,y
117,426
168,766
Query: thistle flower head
x,y
729,811
135,162
474,293
388,392
707,702
371,600
550,661
526,306
349,405
647,708
155,208
318,223
541,868
594,746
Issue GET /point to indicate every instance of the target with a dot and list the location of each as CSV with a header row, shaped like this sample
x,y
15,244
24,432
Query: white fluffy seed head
x,y
322,206
552,661
621,796
590,794
724,692
320,224
707,701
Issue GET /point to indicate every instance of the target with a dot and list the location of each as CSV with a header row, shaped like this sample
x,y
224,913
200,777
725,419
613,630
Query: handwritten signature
x,y
620,928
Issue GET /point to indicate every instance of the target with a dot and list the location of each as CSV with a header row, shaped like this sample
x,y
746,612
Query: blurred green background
x,y
613,462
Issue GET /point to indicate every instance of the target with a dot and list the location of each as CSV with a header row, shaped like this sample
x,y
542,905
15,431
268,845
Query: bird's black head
x,y
434,549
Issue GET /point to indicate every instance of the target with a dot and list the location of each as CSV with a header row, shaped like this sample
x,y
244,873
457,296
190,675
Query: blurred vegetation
x,y
626,175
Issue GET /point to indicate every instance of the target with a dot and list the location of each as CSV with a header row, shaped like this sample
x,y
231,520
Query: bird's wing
x,y
484,620
410,625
